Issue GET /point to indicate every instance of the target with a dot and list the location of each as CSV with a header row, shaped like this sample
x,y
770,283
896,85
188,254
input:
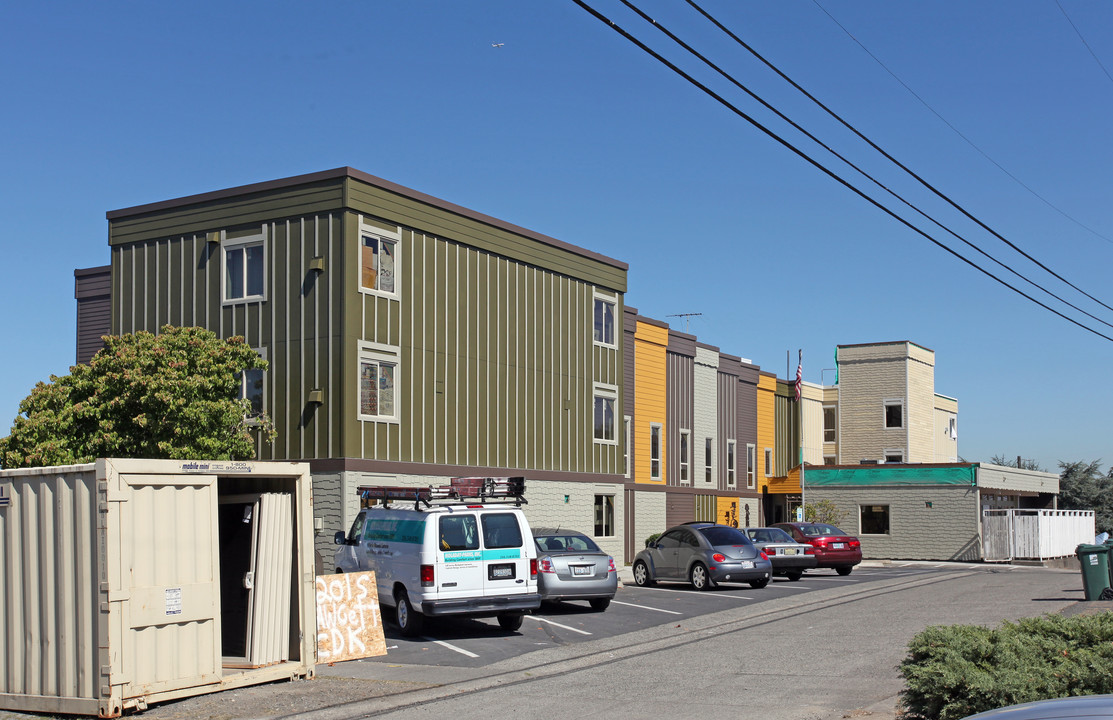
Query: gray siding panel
x,y
93,291
680,403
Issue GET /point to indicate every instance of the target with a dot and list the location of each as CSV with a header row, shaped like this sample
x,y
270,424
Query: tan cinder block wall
x,y
946,446
868,376
948,530
649,512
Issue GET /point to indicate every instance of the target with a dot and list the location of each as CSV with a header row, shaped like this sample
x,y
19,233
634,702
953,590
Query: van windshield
x,y
501,530
459,532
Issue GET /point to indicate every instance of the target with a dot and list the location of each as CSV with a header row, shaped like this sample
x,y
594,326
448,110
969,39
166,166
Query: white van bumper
x,y
481,606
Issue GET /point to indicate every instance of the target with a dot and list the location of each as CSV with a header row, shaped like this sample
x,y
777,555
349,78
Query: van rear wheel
x,y
510,621
410,621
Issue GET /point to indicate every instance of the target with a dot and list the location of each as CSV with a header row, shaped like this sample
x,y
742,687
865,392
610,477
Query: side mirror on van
x,y
340,538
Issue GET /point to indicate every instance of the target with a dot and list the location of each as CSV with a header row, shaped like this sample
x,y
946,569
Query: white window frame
x,y
375,352
834,430
830,459
708,460
768,462
605,393
899,452
382,235
612,300
751,466
886,404
655,451
952,428
685,457
601,507
732,461
626,447
227,244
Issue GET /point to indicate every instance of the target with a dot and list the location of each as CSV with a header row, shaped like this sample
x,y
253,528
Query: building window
x,y
378,260
894,413
626,447
952,429
244,259
731,473
655,451
604,516
894,456
830,460
685,456
751,465
874,519
604,320
378,383
829,417
768,462
252,389
707,466
606,396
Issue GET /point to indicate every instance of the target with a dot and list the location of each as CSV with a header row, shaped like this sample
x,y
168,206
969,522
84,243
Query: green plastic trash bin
x,y
1094,560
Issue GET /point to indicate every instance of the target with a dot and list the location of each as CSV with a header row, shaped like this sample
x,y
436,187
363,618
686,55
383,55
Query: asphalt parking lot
x,y
475,643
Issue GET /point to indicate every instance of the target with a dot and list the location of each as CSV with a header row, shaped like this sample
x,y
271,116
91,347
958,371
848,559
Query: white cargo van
x,y
464,549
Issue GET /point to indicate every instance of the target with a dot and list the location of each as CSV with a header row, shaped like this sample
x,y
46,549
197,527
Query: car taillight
x,y
426,576
855,543
533,568
809,550
821,544
612,567
719,557
763,555
545,565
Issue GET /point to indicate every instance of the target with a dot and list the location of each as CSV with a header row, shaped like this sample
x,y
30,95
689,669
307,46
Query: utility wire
x,y
804,156
958,132
868,176
1079,34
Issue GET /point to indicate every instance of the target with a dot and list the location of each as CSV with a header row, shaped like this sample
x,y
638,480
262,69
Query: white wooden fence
x,y
1034,534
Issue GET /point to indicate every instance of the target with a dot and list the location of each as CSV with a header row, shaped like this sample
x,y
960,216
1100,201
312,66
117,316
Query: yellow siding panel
x,y
766,425
727,512
650,343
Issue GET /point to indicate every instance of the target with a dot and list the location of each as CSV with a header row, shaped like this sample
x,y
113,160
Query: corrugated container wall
x,y
113,594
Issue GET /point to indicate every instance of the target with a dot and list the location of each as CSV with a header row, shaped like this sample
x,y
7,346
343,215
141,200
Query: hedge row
x,y
958,670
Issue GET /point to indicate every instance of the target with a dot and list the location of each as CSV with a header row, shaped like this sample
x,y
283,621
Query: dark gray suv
x,y
703,554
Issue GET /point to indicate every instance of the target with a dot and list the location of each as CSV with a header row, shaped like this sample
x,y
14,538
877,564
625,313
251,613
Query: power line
x,y
958,132
1079,34
727,104
672,36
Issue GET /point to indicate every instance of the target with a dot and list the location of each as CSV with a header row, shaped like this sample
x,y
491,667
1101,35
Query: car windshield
x,y
557,543
770,535
819,529
721,535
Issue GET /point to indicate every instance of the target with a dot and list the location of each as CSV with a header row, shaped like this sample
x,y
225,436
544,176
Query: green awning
x,y
891,475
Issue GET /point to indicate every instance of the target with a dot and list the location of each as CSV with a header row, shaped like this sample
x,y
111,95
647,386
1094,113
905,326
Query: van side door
x,y
459,571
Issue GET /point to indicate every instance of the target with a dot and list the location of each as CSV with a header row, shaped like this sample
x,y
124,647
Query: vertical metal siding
x,y
680,386
727,409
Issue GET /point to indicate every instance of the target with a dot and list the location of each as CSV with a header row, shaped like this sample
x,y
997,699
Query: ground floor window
x,y
604,516
874,519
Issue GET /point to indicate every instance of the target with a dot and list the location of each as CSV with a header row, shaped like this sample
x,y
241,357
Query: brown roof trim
x,y
892,342
705,346
629,310
682,336
348,172
86,272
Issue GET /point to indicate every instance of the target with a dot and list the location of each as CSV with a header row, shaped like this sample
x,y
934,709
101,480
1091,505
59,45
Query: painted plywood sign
x,y
349,624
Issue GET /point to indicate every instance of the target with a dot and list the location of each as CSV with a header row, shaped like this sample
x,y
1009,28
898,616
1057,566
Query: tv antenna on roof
x,y
685,316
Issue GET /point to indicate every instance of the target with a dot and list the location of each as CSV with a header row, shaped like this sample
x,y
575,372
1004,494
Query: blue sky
x,y
569,130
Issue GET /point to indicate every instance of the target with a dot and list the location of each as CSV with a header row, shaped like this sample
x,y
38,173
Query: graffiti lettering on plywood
x,y
349,624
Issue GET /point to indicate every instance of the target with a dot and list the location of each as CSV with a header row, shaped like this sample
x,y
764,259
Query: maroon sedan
x,y
833,547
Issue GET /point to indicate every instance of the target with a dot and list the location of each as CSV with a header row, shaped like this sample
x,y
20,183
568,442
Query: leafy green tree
x,y
1082,486
171,395
823,511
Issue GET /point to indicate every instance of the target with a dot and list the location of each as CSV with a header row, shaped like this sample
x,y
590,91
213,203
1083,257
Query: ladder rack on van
x,y
460,491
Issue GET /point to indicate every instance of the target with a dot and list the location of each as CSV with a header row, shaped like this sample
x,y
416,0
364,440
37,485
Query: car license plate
x,y
500,572
838,546
789,551
747,564
583,570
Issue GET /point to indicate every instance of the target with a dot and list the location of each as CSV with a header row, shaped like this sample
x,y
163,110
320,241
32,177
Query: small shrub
x,y
958,670
652,538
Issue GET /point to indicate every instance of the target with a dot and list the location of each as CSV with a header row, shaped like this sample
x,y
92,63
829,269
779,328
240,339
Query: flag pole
x,y
800,409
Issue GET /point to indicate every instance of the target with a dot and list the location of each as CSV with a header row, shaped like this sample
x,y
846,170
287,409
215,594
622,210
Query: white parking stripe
x,y
697,592
541,619
645,607
450,646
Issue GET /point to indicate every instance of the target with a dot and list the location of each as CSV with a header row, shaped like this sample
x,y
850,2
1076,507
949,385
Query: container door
x,y
238,521
459,571
163,575
505,565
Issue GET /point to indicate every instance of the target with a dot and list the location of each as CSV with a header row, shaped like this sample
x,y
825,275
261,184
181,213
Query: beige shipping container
x,y
129,582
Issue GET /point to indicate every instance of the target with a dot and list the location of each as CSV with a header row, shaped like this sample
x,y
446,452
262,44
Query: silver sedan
x,y
789,557
570,566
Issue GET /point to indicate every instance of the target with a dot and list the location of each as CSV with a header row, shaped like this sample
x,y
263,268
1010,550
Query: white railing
x,y
1034,534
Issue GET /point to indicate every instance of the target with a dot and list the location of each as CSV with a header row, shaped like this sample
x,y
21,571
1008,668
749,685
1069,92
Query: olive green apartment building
x,y
408,339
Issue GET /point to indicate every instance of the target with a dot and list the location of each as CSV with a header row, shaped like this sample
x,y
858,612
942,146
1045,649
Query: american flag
x,y
799,373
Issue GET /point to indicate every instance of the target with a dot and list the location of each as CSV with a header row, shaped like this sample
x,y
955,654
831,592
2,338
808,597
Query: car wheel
x,y
844,569
759,584
641,574
699,578
410,621
599,604
510,621
794,576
